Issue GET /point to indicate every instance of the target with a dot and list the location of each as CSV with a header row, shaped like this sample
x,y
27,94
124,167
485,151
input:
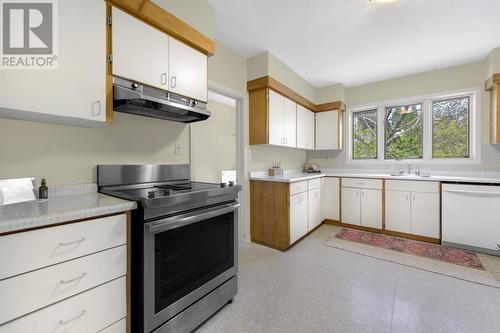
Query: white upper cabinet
x,y
282,120
328,130
305,128
147,55
187,71
276,105
290,123
140,52
75,92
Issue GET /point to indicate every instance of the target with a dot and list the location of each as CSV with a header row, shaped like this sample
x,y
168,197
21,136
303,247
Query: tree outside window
x,y
404,132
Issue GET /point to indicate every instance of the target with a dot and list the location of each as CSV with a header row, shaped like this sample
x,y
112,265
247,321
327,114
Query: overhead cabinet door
x,y
76,89
188,71
305,128
327,130
276,105
290,123
140,52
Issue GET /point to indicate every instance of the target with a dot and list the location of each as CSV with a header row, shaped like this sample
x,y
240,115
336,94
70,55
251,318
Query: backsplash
x,y
490,162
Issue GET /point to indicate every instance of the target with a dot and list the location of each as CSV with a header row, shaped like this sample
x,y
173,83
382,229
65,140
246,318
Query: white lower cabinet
x,y
68,278
331,198
362,203
413,207
351,212
314,207
298,216
371,208
91,311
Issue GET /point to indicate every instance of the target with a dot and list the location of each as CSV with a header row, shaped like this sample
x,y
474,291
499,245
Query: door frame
x,y
243,226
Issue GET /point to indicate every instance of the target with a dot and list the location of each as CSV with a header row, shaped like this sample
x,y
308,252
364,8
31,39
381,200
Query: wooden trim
x,y
109,68
258,101
497,110
60,223
270,214
384,232
154,15
280,88
129,273
495,78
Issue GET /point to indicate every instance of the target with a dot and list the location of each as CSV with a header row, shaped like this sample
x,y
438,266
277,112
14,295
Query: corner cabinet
x,y
329,130
75,92
283,213
144,54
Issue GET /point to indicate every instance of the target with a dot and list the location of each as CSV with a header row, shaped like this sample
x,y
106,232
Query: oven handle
x,y
185,219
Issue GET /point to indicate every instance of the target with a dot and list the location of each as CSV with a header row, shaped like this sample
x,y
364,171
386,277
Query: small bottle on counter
x,y
43,190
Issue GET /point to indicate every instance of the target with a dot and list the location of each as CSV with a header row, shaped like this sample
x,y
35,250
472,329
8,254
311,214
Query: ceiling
x,y
356,41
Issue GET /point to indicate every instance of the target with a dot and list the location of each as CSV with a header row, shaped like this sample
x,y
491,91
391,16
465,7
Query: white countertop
x,y
301,176
67,206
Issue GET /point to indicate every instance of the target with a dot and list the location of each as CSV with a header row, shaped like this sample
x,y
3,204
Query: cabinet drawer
x,y
412,186
298,187
119,327
375,184
26,293
90,311
314,183
36,249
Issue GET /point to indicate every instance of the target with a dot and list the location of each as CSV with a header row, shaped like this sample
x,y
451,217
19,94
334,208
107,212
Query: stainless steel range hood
x,y
132,97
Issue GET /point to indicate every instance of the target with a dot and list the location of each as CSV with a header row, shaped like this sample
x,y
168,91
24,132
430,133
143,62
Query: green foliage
x,y
364,135
450,132
404,132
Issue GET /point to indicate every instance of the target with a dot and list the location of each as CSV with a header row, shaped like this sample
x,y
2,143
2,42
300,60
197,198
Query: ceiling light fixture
x,y
382,1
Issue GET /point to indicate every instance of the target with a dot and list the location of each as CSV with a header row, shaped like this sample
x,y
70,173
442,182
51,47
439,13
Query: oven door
x,y
186,257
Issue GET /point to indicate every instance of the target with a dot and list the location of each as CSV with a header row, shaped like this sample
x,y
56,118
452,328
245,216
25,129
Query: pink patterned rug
x,y
432,251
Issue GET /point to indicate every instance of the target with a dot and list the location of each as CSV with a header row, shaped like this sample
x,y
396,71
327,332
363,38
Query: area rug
x,y
439,259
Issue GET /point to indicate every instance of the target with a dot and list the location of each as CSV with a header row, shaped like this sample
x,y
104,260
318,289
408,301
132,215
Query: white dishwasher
x,y
471,217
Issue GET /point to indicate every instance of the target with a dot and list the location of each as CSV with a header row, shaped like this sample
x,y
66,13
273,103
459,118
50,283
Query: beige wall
x,y
228,69
197,13
68,155
493,63
443,80
213,143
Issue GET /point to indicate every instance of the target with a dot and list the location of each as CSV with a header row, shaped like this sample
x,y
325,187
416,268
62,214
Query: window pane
x,y
403,131
450,127
364,135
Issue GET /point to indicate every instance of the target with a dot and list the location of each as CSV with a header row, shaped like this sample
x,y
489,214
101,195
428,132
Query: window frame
x,y
352,136
475,128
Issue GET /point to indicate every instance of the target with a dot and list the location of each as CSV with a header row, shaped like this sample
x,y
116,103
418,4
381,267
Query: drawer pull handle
x,y
73,242
73,280
62,322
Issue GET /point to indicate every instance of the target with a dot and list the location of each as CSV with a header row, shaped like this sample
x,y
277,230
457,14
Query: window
x,y
438,128
450,127
364,135
403,132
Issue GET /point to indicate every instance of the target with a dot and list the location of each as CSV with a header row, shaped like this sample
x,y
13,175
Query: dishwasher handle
x,y
474,192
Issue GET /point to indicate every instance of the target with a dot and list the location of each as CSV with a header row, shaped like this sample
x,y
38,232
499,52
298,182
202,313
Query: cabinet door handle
x,y
96,109
74,279
163,79
173,81
62,322
73,242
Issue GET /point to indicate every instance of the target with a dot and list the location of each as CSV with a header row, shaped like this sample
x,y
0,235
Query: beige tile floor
x,y
317,288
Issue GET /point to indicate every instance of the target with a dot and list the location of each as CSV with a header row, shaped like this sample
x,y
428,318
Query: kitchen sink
x,y
409,175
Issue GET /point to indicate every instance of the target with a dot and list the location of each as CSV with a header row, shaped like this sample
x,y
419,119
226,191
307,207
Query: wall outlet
x,y
177,148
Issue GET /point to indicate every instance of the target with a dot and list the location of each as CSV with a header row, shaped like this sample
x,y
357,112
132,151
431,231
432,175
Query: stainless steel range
x,y
184,244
